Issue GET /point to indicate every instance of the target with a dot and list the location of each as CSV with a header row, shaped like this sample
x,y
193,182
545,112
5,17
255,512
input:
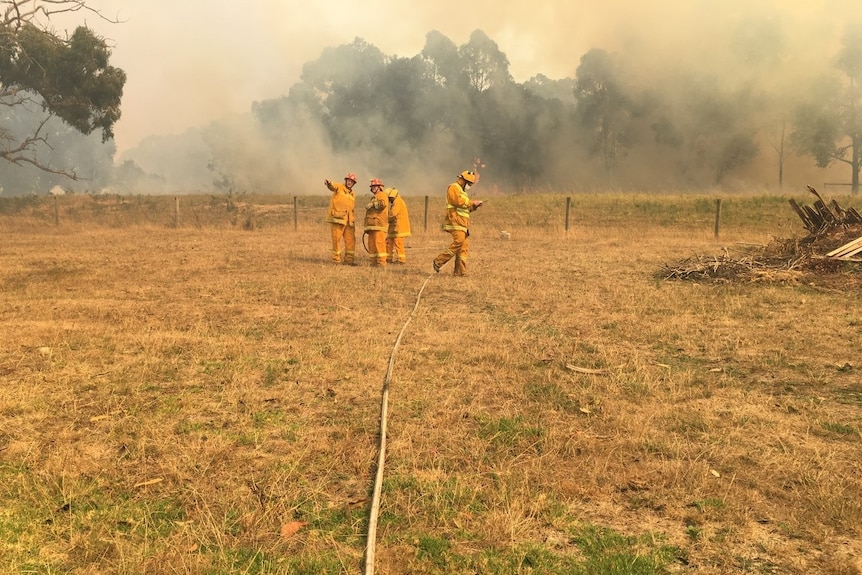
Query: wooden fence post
x,y
56,211
295,214
717,215
568,207
426,213
176,211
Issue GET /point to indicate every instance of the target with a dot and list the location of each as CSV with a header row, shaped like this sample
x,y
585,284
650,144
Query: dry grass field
x,y
204,398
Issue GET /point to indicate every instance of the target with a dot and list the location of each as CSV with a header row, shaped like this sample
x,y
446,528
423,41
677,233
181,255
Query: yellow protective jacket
x,y
458,208
399,220
377,213
342,205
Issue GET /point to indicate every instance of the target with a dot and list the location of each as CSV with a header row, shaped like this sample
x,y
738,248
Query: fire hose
x,y
381,455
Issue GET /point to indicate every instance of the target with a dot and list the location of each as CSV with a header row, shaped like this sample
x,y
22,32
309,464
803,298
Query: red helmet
x,y
350,176
376,182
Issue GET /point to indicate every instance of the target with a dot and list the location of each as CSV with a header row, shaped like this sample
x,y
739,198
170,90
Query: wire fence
x,y
554,214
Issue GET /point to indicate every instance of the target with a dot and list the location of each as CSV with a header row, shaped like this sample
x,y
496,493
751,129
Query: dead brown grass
x,y
172,396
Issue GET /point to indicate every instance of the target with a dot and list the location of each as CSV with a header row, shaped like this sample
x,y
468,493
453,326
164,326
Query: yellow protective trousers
x,y
347,234
457,249
377,254
395,249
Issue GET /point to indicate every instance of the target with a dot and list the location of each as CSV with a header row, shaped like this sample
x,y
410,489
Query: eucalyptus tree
x,y
604,105
406,98
829,124
544,87
515,138
485,65
339,87
442,55
57,76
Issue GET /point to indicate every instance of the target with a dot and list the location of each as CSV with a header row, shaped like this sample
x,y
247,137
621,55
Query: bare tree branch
x,y
22,151
65,75
16,13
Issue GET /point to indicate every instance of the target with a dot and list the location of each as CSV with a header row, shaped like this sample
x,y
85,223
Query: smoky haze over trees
x,y
617,123
743,111
829,122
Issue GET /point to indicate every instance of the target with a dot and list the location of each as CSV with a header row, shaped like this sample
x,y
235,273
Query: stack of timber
x,y
848,251
820,219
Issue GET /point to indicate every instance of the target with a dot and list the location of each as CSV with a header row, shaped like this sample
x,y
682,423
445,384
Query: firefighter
x,y
377,223
342,219
399,227
457,222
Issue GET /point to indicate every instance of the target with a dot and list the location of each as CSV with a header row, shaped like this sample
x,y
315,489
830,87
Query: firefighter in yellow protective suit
x,y
399,227
457,222
377,224
342,219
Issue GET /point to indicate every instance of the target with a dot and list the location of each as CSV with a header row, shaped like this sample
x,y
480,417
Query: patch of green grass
x,y
245,439
693,532
550,395
703,505
688,425
325,564
508,437
437,501
839,428
157,518
850,396
658,448
213,366
633,388
251,561
79,518
343,524
264,418
603,552
530,558
610,553
186,427
509,432
434,550
437,556
586,348
271,374
755,564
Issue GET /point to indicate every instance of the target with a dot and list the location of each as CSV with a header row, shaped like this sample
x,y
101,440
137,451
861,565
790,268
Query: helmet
x,y
376,182
392,192
350,176
470,177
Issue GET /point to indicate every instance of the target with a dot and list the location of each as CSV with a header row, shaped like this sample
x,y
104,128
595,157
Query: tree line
x,y
616,122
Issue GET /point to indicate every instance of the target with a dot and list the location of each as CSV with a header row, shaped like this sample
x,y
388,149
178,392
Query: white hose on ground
x,y
381,455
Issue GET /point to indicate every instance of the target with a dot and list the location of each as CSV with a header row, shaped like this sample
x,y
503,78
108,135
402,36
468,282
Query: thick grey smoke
x,y
193,62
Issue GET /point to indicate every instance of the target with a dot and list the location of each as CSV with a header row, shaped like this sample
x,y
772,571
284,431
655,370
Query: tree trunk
x,y
854,165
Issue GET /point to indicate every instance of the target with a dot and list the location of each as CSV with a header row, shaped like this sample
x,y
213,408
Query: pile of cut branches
x,y
783,260
780,261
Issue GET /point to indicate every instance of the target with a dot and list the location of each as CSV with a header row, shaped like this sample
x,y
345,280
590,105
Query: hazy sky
x,y
192,61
